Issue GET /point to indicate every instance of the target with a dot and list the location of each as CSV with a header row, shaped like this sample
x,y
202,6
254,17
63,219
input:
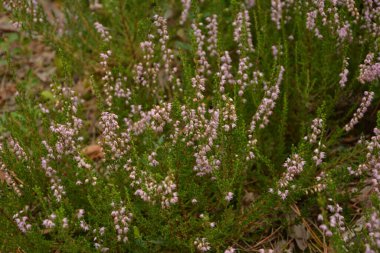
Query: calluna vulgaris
x,y
220,126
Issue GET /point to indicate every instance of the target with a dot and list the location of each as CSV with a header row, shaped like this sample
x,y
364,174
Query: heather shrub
x,y
220,126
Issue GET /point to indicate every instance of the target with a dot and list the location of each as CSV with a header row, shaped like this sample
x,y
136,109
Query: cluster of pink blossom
x,y
371,16
146,74
82,223
369,70
103,31
9,179
148,188
318,156
266,251
229,116
276,12
17,149
229,196
264,110
331,17
166,189
363,107
55,181
185,12
49,222
152,159
311,23
230,250
336,221
242,76
212,40
294,166
66,99
156,119
120,92
343,75
167,53
99,232
225,73
316,130
202,245
116,145
66,143
121,220
242,32
373,227
22,220
199,129
250,3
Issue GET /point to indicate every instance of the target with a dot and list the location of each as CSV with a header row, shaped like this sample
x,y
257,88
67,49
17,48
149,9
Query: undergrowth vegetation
x,y
221,126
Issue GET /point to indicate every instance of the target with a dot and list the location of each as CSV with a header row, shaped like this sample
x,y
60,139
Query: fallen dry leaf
x,y
94,152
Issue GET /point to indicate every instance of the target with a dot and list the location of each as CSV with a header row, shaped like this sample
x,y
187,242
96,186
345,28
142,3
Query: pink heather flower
x,y
369,70
264,110
274,52
202,63
276,12
17,149
229,116
345,32
212,40
186,7
80,213
49,223
22,220
229,250
65,223
242,79
363,107
316,127
294,166
84,226
229,196
343,75
373,227
318,157
122,220
104,34
55,181
225,73
249,4
9,179
202,244
242,32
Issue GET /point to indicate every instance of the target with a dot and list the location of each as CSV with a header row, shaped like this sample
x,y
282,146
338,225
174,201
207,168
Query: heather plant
x,y
221,126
